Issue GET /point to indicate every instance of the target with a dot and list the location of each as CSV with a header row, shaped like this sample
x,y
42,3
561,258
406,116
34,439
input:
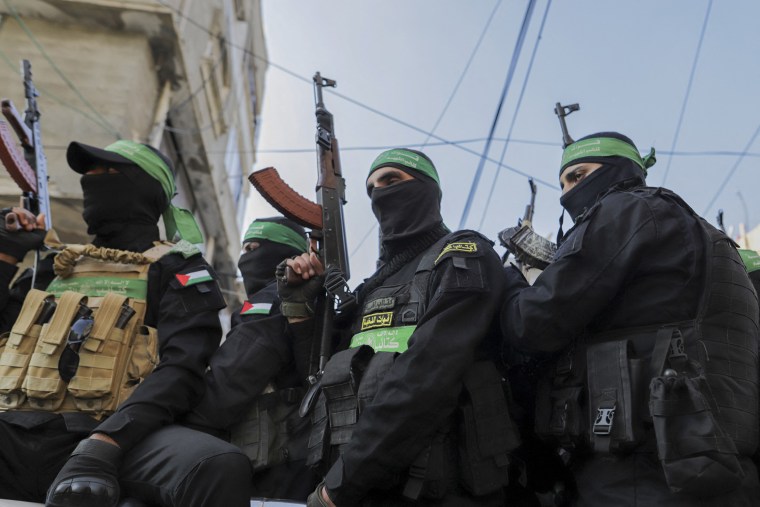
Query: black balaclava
x,y
406,210
122,210
616,171
258,266
408,213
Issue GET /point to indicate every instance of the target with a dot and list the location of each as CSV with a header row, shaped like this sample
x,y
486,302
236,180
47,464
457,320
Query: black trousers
x,y
173,467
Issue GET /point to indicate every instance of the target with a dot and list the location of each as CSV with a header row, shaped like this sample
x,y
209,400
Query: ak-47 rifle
x,y
522,241
29,170
325,218
561,112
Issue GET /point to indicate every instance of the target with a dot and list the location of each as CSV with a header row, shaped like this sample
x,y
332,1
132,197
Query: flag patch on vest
x,y
458,246
384,319
256,308
189,279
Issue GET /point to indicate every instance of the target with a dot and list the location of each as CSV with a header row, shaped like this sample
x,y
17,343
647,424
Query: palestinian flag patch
x,y
189,279
256,308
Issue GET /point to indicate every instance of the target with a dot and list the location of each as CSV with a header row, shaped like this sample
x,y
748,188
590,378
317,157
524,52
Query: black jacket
x,y
635,259
422,388
258,350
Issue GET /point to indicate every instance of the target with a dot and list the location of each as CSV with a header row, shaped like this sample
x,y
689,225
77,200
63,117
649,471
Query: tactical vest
x,y
470,449
119,352
610,372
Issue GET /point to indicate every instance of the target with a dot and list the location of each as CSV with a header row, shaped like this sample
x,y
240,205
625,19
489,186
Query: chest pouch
x,y
559,397
697,456
272,433
615,392
337,409
43,386
37,310
487,433
115,358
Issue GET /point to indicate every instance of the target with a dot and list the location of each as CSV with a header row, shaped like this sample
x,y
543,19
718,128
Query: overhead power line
x,y
732,171
510,73
104,123
688,89
351,100
514,115
464,71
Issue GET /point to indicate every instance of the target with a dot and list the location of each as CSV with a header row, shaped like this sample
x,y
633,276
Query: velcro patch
x,y
256,308
185,249
199,276
467,247
383,319
385,303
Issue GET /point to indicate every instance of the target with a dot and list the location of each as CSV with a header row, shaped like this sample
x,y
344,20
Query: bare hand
x,y
20,218
306,265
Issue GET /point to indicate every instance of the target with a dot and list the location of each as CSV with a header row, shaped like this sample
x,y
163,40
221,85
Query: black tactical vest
x,y
599,389
470,449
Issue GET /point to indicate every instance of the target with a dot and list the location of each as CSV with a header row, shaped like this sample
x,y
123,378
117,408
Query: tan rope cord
x,y
66,260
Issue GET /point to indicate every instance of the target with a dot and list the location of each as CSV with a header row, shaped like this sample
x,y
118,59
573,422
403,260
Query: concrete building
x,y
184,75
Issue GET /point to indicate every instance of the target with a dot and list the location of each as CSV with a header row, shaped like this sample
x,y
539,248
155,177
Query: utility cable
x,y
464,72
105,124
688,89
514,115
356,102
732,171
510,73
47,94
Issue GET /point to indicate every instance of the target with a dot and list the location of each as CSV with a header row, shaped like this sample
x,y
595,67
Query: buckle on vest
x,y
604,418
677,349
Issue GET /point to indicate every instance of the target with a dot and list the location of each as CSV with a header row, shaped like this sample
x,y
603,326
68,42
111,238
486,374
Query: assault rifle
x,y
561,112
324,218
522,241
28,170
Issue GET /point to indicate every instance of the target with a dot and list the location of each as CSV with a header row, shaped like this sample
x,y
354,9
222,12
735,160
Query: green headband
x,y
276,232
605,147
751,259
407,159
176,220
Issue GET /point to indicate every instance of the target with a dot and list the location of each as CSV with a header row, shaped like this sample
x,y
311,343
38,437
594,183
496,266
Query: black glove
x,y
89,477
315,498
18,243
298,298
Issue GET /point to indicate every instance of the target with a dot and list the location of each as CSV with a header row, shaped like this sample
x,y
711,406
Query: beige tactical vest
x,y
113,360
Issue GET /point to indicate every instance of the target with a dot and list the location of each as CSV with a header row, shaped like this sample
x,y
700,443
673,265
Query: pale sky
x,y
630,65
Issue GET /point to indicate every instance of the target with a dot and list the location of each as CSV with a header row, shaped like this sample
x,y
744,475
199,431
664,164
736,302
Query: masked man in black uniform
x,y
652,324
256,380
417,372
129,326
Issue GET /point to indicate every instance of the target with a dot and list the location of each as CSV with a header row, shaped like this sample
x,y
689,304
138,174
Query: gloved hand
x,y
297,296
17,243
315,498
89,478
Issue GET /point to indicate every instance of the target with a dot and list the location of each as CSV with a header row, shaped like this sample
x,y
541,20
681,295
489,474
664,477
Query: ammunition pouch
x,y
616,390
337,409
697,456
471,448
560,395
486,431
272,433
112,360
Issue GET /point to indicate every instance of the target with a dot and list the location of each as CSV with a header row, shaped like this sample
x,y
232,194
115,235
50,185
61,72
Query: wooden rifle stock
x,y
14,118
286,200
14,161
